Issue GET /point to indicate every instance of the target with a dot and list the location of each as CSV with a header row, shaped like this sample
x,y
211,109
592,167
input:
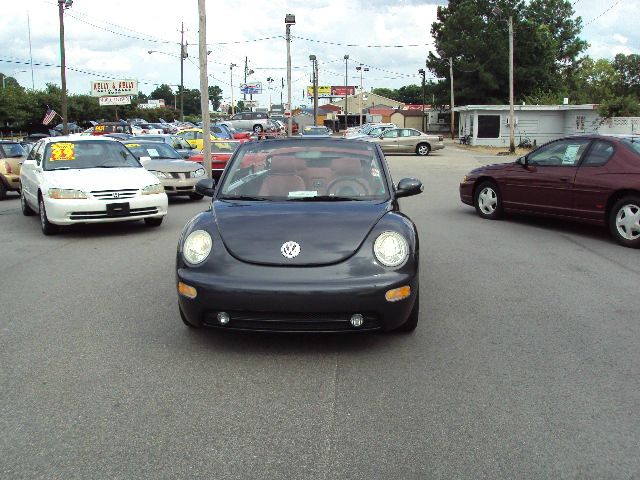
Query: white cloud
x,y
333,24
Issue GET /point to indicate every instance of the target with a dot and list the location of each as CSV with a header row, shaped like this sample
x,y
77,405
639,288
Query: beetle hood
x,y
326,233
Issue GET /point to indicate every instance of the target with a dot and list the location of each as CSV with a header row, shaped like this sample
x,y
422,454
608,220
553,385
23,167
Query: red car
x,y
588,178
221,151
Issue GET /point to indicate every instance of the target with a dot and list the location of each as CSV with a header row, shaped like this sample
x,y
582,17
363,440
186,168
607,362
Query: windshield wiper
x,y
111,166
322,198
242,197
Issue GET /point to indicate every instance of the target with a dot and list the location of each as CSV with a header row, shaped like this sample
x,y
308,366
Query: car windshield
x,y
12,150
633,143
153,150
66,155
304,171
224,147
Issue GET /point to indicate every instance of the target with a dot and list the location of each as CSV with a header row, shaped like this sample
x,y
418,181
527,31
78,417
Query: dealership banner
x,y
116,100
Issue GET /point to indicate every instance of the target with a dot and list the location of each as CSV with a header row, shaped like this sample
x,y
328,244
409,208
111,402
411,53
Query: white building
x,y
489,124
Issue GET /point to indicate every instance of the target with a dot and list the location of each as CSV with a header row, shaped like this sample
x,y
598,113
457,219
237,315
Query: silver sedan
x,y
407,140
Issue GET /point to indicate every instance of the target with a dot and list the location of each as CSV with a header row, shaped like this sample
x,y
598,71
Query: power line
x,y
602,14
109,76
68,14
361,46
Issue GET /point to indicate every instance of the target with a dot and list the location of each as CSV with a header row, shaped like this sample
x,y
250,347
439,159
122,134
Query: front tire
x,y
3,191
153,221
624,221
423,149
488,201
257,129
26,209
48,228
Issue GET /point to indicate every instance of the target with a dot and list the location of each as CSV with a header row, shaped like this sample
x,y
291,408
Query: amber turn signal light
x,y
187,290
398,293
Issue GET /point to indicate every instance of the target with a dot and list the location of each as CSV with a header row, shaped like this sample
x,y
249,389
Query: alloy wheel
x,y
628,222
488,200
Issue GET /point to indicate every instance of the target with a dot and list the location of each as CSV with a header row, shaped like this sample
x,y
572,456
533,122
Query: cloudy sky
x,y
111,39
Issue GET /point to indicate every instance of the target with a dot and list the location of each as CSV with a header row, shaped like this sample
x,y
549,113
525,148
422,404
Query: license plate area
x,y
118,209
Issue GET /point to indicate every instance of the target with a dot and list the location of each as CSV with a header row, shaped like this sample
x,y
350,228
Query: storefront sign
x,y
105,88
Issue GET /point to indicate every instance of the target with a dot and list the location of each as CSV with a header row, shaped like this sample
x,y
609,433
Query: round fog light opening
x,y
223,318
357,320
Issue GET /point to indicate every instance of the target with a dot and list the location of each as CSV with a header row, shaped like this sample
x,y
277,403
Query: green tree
x,y
475,34
626,106
163,92
628,69
215,95
386,92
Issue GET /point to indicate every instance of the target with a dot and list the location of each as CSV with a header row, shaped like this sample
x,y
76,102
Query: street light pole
x,y
314,66
289,20
183,55
233,106
346,89
269,82
4,77
62,5
360,69
423,74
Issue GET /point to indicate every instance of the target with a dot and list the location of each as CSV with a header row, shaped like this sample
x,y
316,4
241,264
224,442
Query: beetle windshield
x,y
305,170
65,155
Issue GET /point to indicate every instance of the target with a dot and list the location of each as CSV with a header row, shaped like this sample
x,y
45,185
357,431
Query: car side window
x,y
599,154
199,136
391,134
405,132
564,153
187,135
38,152
415,133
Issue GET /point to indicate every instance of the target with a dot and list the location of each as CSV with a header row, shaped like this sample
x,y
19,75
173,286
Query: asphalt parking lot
x,y
524,365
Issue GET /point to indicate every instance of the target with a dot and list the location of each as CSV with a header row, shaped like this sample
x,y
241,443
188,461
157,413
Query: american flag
x,y
49,116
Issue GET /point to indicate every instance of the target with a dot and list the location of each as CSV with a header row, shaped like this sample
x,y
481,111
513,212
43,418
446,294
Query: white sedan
x,y
71,180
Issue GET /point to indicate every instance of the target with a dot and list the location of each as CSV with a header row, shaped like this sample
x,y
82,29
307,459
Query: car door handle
x,y
564,179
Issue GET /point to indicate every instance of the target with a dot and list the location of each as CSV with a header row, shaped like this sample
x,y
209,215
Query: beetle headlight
x,y
391,249
153,189
199,172
159,174
197,247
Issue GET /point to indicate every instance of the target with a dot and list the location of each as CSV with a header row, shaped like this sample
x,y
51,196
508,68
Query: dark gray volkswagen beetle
x,y
301,235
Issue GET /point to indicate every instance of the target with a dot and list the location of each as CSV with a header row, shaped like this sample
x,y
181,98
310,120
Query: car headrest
x,y
283,165
347,166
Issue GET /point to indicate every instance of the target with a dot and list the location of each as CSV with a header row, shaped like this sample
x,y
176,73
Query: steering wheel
x,y
554,160
348,187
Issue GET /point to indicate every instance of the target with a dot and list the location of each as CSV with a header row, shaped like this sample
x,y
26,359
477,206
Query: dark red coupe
x,y
588,178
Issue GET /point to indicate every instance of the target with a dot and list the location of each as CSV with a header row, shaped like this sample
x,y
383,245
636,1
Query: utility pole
x,y
204,86
233,106
346,89
289,20
452,104
183,55
512,146
246,67
423,74
62,5
281,90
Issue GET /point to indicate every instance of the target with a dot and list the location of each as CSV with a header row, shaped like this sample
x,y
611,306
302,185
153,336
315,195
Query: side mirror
x,y
145,160
408,187
522,161
206,187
